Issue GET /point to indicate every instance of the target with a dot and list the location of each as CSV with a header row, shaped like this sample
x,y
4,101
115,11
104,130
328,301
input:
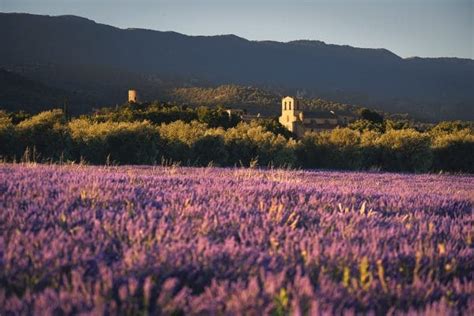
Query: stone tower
x,y
132,96
291,114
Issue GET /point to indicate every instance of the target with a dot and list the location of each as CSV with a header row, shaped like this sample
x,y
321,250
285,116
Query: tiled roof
x,y
319,114
346,113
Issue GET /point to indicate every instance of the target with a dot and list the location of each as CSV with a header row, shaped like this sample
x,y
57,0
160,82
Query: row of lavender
x,y
233,241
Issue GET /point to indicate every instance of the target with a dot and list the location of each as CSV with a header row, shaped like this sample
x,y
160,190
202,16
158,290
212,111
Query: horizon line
x,y
238,36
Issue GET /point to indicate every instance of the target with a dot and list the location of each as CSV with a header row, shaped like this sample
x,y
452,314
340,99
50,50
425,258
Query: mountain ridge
x,y
432,88
297,41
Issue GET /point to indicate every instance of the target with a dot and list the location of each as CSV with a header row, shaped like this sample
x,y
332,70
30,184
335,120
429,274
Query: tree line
x,y
157,134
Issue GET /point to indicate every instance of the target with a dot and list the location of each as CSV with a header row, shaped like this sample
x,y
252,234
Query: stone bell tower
x,y
290,113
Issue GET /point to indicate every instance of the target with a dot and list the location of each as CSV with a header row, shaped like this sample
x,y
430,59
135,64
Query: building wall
x,y
292,117
332,121
289,113
132,96
346,119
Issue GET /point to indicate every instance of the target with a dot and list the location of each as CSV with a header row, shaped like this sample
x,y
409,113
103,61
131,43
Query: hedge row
x,y
48,137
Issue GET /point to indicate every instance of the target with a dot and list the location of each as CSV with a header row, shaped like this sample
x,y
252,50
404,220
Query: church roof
x,y
346,113
319,114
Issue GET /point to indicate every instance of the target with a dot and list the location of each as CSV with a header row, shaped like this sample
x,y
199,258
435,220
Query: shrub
x,y
251,142
124,143
7,137
244,144
45,134
310,151
117,136
370,152
187,133
372,116
405,150
450,127
178,137
366,125
454,151
336,149
274,126
345,153
209,148
217,117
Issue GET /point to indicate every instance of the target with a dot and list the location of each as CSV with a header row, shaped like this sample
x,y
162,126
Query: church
x,y
299,122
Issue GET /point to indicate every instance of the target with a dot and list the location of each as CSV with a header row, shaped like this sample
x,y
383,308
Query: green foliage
x,y
254,99
45,133
178,138
451,127
7,136
345,151
366,125
126,143
209,149
274,126
196,144
338,149
251,142
17,117
405,150
371,116
343,148
370,153
217,117
454,151
363,145
281,302
184,132
228,95
326,105
397,124
155,113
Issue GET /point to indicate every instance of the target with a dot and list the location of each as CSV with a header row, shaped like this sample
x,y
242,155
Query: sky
x,y
425,28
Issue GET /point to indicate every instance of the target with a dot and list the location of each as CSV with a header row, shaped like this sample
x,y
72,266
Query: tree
x,y
45,133
371,116
454,151
209,148
273,125
120,142
365,125
7,136
405,150
217,117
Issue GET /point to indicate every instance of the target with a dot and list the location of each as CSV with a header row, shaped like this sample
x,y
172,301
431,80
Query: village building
x,y
298,121
237,112
243,115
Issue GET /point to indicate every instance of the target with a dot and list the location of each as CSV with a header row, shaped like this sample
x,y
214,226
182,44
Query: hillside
x,y
252,99
428,88
19,93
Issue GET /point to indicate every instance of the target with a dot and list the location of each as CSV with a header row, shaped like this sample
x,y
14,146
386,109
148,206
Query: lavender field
x,y
155,240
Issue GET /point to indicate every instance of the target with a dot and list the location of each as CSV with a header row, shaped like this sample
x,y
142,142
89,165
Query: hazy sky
x,y
406,27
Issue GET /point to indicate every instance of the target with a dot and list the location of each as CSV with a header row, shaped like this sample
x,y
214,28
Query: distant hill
x,y
99,85
101,61
19,93
249,98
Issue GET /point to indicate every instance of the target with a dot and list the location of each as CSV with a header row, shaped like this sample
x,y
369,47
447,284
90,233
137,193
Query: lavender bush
x,y
144,240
